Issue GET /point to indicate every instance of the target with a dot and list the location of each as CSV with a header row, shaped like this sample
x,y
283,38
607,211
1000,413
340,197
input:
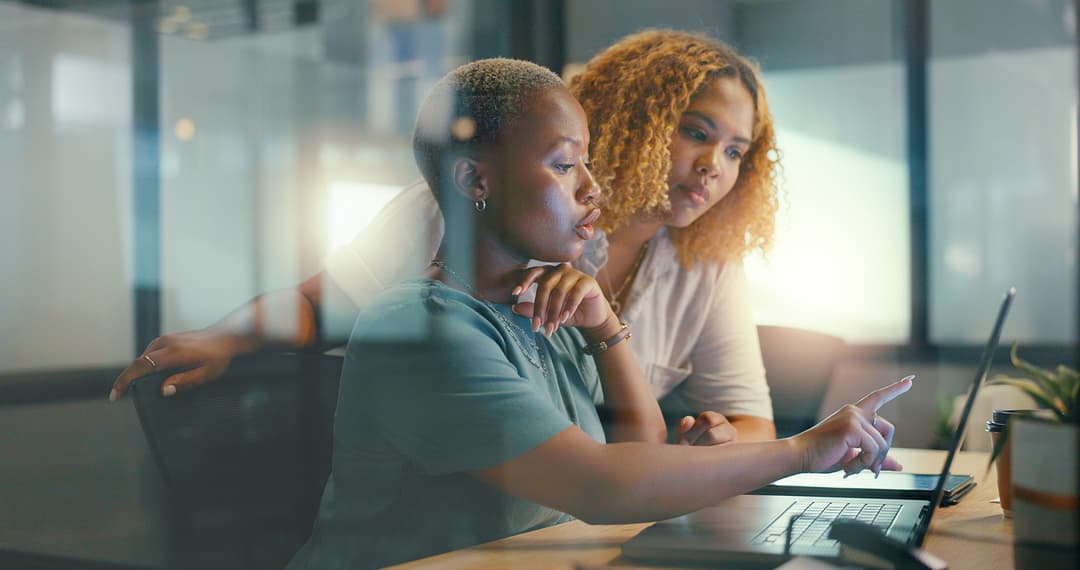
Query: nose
x,y
589,191
708,163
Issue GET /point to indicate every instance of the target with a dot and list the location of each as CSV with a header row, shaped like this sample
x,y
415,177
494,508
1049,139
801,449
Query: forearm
x,y
753,428
280,319
634,412
642,482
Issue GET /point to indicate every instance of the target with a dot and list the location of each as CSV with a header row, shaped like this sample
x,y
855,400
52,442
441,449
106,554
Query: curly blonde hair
x,y
634,94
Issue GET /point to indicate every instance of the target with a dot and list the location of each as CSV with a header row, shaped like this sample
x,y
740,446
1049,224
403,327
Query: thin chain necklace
x,y
521,336
613,298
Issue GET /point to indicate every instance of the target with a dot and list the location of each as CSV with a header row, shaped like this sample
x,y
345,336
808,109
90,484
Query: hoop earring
x,y
480,205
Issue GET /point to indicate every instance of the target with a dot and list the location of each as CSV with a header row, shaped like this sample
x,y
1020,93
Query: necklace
x,y
613,298
521,336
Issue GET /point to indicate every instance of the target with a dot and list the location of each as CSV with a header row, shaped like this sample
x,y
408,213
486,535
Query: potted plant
x,y
1055,391
1044,464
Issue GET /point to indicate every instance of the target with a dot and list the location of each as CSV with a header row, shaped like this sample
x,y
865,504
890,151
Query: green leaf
x,y
1029,387
1070,379
1040,376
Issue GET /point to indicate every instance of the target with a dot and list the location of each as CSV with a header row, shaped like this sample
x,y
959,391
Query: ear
x,y
467,176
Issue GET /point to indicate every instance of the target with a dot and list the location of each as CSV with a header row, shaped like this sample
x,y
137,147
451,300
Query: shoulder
x,y
415,309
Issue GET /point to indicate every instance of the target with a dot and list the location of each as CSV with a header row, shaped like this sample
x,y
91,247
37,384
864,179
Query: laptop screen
x,y
958,438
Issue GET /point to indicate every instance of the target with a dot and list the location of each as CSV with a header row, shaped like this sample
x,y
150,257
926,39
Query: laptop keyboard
x,y
812,527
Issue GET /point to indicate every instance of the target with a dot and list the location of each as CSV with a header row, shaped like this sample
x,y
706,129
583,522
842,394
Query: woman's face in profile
x,y
541,199
707,147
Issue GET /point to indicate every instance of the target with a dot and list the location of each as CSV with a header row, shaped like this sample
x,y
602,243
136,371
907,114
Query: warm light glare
x,y
184,129
840,260
352,205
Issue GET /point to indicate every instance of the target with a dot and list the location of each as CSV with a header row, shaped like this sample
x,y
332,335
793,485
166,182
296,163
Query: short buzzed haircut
x,y
470,107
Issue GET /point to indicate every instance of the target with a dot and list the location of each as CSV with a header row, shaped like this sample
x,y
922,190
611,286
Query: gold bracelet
x,y
623,334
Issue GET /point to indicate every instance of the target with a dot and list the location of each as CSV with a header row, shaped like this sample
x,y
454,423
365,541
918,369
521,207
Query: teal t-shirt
x,y
413,418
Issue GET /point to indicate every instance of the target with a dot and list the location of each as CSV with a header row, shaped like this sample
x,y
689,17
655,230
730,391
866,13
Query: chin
x,y
563,255
682,219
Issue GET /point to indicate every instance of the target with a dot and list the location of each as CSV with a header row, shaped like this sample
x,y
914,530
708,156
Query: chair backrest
x,y
799,365
244,458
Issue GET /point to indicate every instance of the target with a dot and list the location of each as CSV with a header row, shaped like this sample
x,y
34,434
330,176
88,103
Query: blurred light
x,y
167,25
184,129
181,14
463,128
14,115
197,30
351,206
962,260
840,259
90,92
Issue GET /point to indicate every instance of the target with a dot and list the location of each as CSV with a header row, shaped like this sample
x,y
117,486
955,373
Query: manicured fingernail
x,y
113,395
548,329
536,324
565,316
168,390
516,291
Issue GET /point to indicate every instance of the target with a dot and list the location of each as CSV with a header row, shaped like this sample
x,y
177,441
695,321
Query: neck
x,y
496,271
635,234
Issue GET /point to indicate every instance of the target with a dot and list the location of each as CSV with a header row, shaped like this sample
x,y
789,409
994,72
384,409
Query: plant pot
x,y
1044,492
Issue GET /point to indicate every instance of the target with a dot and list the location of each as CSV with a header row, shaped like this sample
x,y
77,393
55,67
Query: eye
x,y
588,165
696,134
563,168
734,154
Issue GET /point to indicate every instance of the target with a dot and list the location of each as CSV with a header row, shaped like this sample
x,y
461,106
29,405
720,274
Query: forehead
x,y
725,100
549,114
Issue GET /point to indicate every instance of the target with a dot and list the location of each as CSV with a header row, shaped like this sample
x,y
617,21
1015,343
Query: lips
x,y
697,193
585,228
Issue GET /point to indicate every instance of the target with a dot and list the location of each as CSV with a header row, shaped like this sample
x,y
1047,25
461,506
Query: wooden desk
x,y
579,545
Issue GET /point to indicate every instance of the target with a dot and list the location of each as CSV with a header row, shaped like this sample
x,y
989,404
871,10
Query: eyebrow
x,y
568,139
712,125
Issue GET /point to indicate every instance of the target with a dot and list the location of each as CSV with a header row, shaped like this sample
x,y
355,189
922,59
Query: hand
x,y
709,428
854,437
564,296
204,354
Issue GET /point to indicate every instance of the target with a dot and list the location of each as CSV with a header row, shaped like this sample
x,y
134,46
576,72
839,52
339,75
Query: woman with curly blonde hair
x,y
682,145
684,148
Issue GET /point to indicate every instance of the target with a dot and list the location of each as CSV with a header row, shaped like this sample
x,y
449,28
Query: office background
x,y
163,162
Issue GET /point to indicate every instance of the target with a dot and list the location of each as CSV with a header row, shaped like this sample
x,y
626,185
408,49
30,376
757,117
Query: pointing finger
x,y
874,401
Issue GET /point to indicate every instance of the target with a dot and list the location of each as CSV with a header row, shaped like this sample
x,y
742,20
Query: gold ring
x,y
153,365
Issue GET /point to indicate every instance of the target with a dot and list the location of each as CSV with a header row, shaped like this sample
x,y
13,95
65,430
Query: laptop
x,y
753,529
890,485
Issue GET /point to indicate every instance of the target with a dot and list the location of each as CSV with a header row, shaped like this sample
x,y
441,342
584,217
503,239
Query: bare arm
x,y
286,319
753,428
714,428
634,481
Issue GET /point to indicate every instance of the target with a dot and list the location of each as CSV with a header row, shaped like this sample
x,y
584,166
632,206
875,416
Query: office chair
x,y
799,365
244,458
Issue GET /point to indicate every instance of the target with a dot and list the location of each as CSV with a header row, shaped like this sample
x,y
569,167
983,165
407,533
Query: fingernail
x,y
168,390
536,324
548,329
516,291
565,316
909,377
113,395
